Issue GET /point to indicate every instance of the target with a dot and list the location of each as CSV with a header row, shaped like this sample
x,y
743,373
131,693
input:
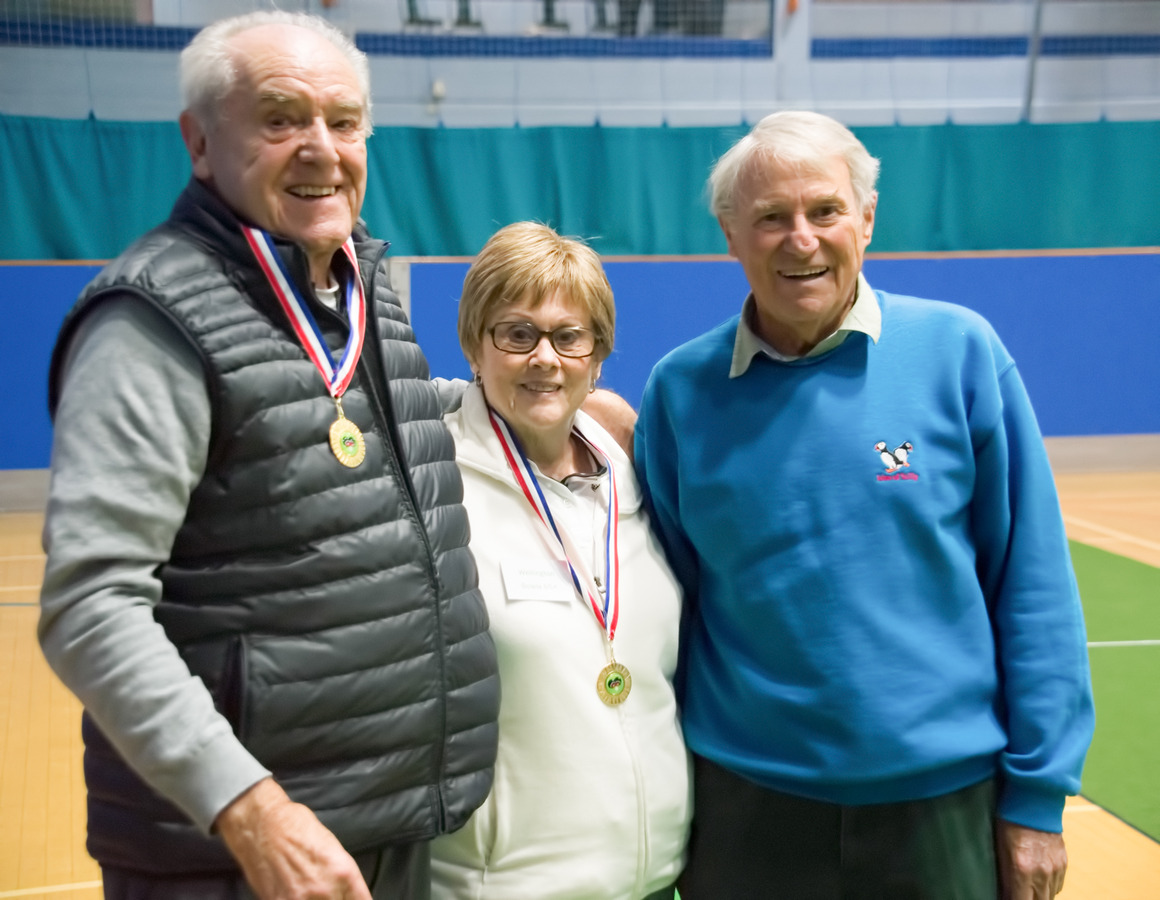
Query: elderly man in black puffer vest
x,y
258,580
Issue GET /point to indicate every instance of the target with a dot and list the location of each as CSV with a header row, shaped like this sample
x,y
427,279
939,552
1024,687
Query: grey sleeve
x,y
130,443
450,392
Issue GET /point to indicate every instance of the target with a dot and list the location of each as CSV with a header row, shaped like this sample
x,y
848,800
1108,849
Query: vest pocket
x,y
233,687
221,665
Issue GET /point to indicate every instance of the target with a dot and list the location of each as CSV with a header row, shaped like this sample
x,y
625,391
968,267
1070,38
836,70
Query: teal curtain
x,y
628,190
1017,187
84,189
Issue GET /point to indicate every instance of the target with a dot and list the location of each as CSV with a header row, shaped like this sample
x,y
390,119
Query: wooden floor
x,y
42,791
42,813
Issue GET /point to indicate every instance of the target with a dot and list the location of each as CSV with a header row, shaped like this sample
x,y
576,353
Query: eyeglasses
x,y
524,337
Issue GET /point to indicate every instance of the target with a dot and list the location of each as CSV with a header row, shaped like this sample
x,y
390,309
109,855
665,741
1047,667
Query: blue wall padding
x,y
34,300
1083,329
435,290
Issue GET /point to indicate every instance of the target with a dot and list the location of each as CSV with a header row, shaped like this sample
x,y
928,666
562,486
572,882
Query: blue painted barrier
x,y
1082,328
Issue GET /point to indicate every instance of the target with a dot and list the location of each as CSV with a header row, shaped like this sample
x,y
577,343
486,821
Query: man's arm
x,y
450,391
1025,570
656,458
130,444
614,414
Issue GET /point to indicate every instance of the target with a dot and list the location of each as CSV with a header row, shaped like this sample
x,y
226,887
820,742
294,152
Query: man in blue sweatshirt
x,y
884,672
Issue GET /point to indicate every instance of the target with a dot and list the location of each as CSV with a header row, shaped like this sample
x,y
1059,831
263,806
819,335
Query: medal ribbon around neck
x,y
607,612
337,377
346,441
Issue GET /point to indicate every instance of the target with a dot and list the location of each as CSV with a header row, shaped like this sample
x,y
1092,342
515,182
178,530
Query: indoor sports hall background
x,y
1020,149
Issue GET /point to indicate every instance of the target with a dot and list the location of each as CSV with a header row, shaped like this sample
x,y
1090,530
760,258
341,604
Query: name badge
x,y
536,580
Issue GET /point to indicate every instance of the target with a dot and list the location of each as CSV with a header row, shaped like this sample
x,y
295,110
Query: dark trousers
x,y
751,843
401,872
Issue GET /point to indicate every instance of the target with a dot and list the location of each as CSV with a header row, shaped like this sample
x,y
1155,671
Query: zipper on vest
x,y
383,406
384,412
378,391
380,394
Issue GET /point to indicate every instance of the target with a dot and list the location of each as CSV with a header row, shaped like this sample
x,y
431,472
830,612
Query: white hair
x,y
800,138
209,72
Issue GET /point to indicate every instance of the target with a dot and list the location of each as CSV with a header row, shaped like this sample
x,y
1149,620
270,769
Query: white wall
x,y
505,91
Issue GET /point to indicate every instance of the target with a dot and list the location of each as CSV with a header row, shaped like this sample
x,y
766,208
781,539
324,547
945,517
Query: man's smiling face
x,y
800,237
287,146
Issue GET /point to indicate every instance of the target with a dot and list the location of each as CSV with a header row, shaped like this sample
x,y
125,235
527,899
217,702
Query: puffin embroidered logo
x,y
895,461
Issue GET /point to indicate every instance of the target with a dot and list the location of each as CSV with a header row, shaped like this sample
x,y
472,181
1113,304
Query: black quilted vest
x,y
332,612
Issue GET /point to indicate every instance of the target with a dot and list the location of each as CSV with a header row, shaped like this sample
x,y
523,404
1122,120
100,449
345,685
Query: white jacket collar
x,y
477,447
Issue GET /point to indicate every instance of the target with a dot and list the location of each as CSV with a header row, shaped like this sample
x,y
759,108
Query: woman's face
x,y
537,391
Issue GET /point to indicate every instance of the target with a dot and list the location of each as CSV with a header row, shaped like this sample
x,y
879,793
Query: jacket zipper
x,y
644,837
380,396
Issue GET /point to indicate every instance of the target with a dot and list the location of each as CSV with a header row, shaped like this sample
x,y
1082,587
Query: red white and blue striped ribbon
x,y
337,376
607,611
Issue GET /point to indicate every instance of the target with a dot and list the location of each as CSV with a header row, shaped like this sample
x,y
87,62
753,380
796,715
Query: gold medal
x,y
613,684
347,442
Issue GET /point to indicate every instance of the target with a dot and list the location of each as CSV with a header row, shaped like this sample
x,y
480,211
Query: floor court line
x,y
1111,532
52,889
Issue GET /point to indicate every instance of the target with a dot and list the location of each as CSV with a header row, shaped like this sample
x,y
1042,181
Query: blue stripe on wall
x,y
149,37
120,36
152,37
980,46
1101,45
877,48
521,46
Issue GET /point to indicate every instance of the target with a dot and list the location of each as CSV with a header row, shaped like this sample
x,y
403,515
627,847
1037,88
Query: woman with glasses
x,y
591,797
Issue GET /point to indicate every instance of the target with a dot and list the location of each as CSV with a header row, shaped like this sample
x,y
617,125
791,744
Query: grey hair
x,y
800,138
208,70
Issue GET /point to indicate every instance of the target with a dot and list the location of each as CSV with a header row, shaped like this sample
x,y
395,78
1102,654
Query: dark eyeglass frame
x,y
540,335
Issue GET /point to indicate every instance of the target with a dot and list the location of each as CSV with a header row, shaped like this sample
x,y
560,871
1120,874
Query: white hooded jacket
x,y
590,802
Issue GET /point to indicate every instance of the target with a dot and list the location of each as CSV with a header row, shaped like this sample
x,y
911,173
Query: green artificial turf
x,y
1121,599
